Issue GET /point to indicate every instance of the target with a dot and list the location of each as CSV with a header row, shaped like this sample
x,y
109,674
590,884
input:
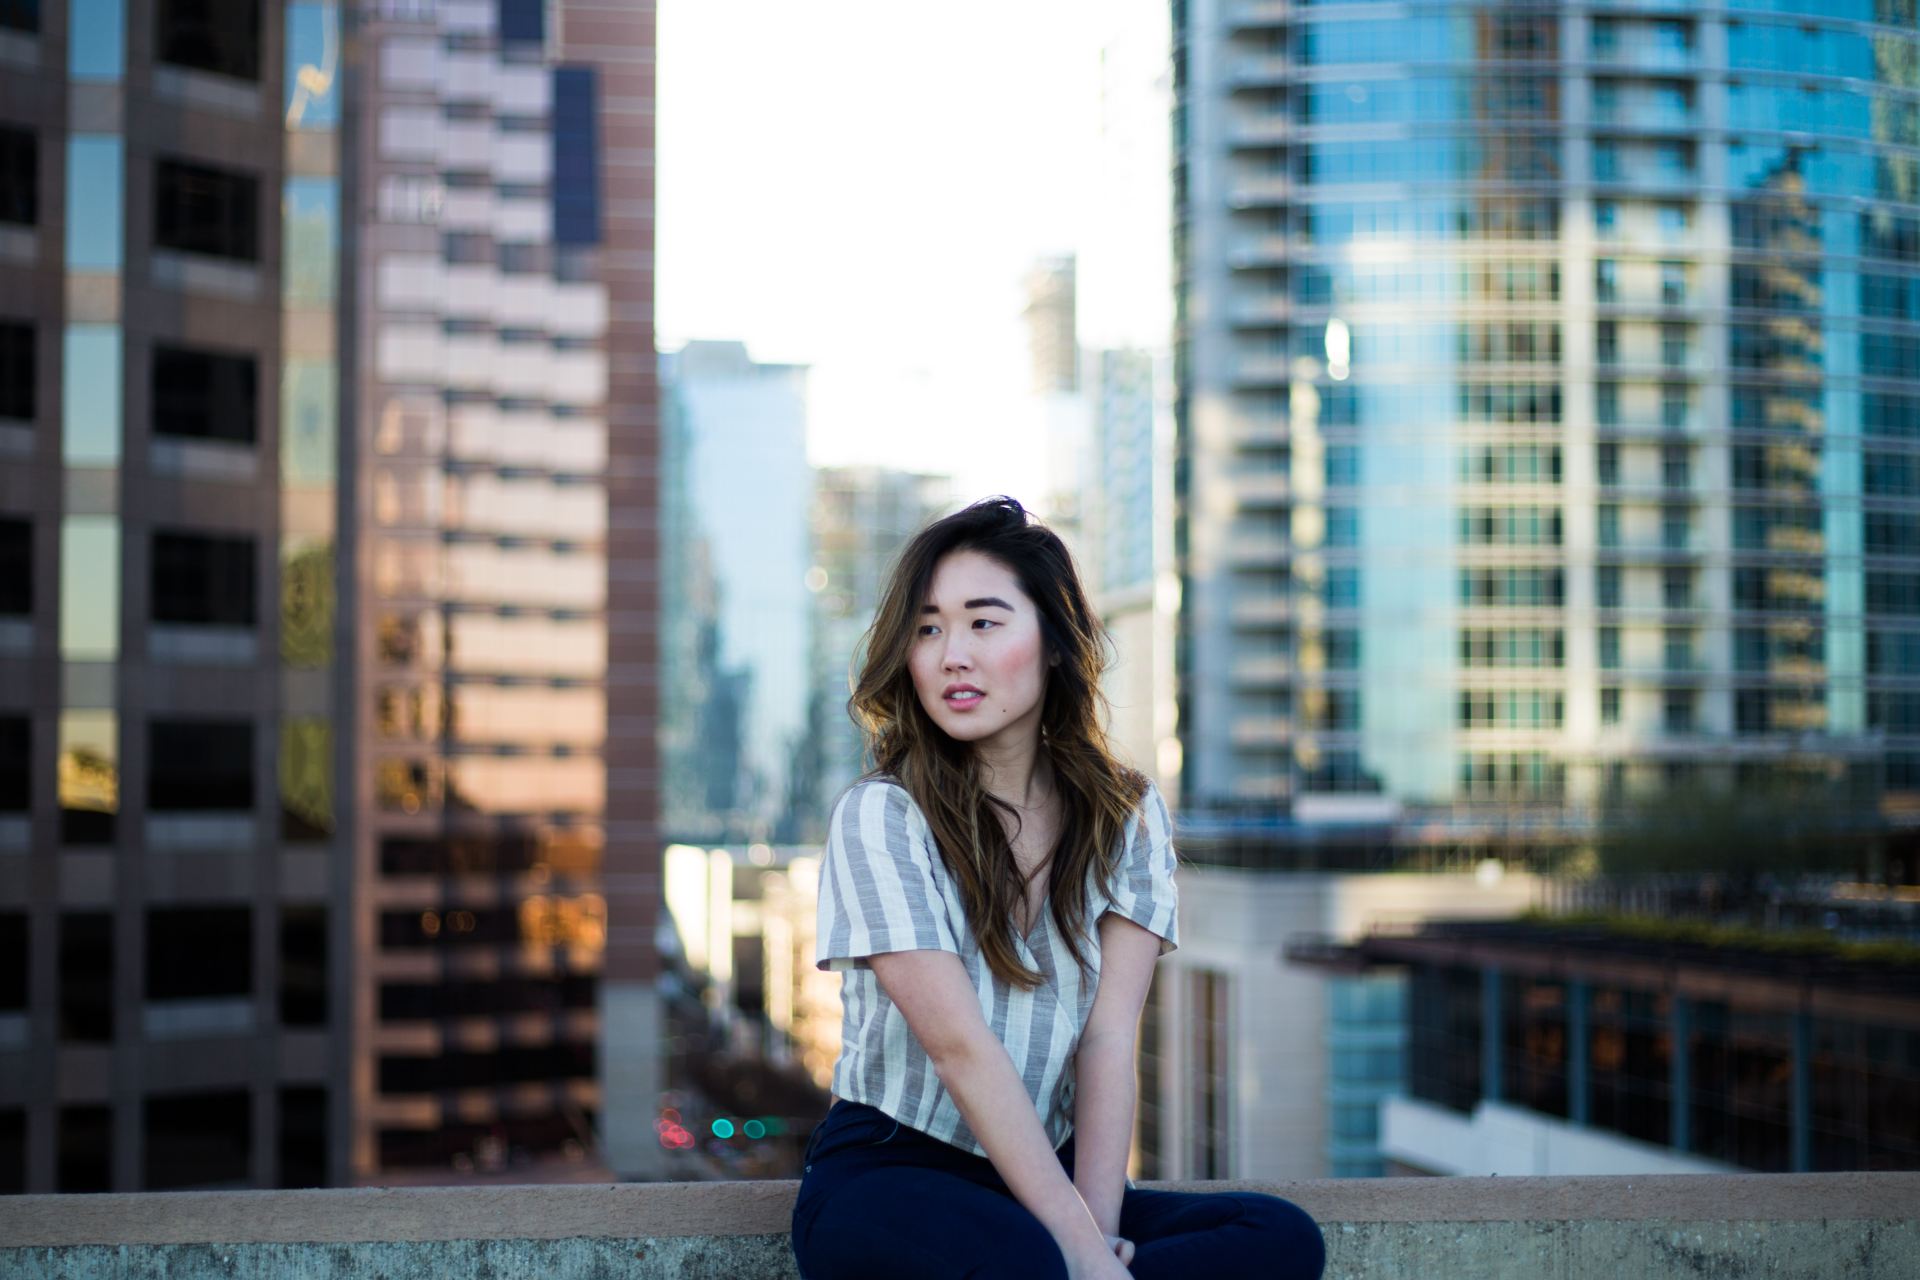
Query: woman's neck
x,y
1022,776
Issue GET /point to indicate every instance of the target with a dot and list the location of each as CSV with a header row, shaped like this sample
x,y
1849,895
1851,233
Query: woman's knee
x,y
1287,1233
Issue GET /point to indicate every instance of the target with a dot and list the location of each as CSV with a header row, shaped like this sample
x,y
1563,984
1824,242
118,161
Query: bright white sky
x,y
860,185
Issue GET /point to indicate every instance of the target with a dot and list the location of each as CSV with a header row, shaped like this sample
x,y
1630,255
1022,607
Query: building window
x,y
576,157
201,209
1609,648
199,953
86,1150
13,961
1610,705
1607,463
1606,586
1607,524
1673,283
198,1140
1673,346
200,765
303,966
13,1152
1606,403
17,379
1674,528
205,395
1673,406
1676,711
86,977
16,764
1676,588
211,35
16,568
303,1137
19,174
203,580
1678,644
1607,342
1606,280
523,20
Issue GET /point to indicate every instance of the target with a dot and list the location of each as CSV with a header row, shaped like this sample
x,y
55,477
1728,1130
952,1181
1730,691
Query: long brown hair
x,y
1098,795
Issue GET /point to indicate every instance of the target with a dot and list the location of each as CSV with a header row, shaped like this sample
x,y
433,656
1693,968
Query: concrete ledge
x,y
1852,1225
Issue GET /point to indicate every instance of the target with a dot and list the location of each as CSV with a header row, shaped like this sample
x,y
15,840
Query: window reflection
x,y
94,202
526,576
90,396
523,785
540,507
89,776
406,568
409,638
408,713
97,30
406,786
310,210
90,588
313,57
533,646
309,423
306,601
488,713
306,778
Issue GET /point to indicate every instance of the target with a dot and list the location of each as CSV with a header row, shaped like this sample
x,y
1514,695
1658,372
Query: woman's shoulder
x,y
874,789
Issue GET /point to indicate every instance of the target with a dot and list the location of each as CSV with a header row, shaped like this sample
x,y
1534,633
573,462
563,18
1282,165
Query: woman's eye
x,y
985,622
928,629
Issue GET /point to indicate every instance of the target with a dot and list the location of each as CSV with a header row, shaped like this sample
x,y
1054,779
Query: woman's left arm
x,y
1104,1068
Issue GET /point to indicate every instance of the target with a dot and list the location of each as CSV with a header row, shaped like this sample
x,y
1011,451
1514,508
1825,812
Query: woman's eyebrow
x,y
978,602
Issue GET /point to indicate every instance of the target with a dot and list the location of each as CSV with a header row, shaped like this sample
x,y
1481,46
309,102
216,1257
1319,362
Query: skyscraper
x,y
325,566
174,669
1547,383
507,415
861,521
739,485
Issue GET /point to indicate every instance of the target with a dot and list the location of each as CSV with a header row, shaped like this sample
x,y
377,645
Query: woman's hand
x,y
1106,1264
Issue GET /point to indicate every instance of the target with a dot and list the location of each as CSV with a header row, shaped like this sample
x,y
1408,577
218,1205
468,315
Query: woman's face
x,y
978,663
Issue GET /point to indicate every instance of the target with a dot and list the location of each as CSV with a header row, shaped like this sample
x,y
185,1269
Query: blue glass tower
x,y
1549,383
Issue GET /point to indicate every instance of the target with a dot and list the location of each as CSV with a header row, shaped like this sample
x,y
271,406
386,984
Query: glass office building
x,y
1549,390
326,542
172,927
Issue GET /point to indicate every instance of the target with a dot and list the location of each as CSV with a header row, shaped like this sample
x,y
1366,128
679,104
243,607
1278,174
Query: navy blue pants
x,y
881,1201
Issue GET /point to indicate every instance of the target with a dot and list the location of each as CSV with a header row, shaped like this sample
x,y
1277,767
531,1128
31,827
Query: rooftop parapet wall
x,y
1747,1227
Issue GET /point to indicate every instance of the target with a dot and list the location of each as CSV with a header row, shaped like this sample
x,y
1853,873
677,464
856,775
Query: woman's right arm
x,y
930,988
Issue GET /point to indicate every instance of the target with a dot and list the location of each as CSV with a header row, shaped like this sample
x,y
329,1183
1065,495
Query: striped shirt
x,y
884,888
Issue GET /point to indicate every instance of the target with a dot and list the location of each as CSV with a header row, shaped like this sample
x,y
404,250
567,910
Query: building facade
x,y
326,530
174,681
1546,405
504,417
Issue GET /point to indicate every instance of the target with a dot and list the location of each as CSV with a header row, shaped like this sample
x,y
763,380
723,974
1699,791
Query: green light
x,y
754,1129
775,1126
723,1128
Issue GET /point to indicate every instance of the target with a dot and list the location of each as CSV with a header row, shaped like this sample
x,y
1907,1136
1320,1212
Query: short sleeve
x,y
1143,888
877,887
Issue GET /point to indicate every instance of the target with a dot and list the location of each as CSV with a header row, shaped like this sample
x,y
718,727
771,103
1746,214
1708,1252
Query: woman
x,y
995,893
